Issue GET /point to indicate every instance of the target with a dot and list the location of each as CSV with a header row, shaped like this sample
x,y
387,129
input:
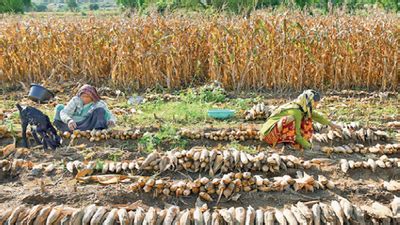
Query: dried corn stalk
x,y
241,53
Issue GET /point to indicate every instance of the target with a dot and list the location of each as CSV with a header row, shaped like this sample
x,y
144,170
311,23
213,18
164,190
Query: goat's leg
x,y
54,136
50,141
53,140
24,125
43,135
35,136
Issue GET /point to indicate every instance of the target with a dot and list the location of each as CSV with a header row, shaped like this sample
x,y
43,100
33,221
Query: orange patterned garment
x,y
284,131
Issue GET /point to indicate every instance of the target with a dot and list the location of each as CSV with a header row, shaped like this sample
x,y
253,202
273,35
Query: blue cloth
x,y
58,109
94,120
77,111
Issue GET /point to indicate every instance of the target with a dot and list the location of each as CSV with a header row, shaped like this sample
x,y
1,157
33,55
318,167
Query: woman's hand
x,y
72,125
308,145
110,123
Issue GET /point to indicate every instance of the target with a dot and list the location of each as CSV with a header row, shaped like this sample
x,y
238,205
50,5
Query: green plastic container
x,y
221,113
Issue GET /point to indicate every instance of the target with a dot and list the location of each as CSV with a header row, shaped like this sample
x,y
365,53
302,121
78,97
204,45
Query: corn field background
x,y
289,50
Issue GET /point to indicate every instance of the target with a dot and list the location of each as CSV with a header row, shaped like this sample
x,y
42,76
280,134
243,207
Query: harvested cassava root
x,y
359,148
335,212
199,159
97,135
259,111
383,162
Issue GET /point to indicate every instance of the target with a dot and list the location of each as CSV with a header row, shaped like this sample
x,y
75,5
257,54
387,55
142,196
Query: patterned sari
x,y
285,132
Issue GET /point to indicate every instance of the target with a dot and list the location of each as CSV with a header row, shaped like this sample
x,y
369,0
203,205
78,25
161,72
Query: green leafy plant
x,y
236,145
40,8
131,3
148,142
94,6
116,156
163,5
72,5
10,124
99,164
167,135
13,6
245,103
216,95
204,94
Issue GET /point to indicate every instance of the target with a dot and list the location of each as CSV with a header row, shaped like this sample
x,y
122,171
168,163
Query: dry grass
x,y
289,50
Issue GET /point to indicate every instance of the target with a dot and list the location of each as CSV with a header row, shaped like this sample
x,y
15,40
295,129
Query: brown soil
x,y
360,186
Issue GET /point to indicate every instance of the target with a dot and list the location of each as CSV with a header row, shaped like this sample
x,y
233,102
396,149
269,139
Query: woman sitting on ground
x,y
85,111
291,123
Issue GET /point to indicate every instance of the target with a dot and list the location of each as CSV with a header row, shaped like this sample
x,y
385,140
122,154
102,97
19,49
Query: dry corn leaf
x,y
8,150
80,147
83,173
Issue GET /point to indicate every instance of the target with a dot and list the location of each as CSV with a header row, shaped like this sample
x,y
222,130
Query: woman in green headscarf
x,y
292,122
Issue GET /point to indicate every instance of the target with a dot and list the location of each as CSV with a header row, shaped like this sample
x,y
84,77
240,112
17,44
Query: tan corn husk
x,y
312,212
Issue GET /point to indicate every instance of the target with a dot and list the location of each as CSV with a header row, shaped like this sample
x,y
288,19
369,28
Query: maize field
x,y
267,51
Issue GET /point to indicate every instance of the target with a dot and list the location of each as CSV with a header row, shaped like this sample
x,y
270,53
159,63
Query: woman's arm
x,y
111,116
68,111
320,118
